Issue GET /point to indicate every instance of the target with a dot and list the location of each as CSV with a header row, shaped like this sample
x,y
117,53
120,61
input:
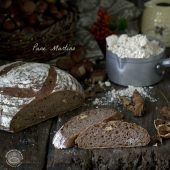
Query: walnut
x,y
165,111
5,4
9,25
98,75
78,54
65,62
28,7
163,128
78,71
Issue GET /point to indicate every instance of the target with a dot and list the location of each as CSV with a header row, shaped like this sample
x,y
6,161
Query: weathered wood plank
x,y
31,143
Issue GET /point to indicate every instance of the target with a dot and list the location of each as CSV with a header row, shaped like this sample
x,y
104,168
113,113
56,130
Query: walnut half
x,y
163,128
165,111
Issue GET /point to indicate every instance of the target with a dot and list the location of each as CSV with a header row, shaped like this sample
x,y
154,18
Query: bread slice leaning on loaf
x,y
32,92
113,134
66,135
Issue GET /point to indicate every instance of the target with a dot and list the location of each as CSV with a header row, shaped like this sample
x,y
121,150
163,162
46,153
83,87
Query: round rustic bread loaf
x,y
32,92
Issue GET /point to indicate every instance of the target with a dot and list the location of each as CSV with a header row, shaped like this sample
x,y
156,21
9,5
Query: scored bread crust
x,y
113,134
27,84
66,135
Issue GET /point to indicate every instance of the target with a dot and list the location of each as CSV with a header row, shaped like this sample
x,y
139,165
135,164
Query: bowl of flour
x,y
135,60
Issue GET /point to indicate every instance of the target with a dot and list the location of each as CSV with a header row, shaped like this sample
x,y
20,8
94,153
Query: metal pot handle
x,y
165,62
160,67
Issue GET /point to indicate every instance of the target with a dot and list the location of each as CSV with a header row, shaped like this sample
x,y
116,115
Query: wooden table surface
x,y
35,143
149,157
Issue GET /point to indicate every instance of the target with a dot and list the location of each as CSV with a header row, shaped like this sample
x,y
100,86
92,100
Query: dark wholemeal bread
x,y
113,134
66,135
33,92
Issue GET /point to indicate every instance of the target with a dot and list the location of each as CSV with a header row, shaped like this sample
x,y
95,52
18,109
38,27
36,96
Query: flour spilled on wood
x,y
114,95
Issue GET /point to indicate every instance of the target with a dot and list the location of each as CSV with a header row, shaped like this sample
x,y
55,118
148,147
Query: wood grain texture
x,y
31,143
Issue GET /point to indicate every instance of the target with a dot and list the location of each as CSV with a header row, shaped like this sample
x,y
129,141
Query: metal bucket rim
x,y
136,60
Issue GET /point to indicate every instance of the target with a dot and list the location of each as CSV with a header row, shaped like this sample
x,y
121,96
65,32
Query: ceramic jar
x,y
156,20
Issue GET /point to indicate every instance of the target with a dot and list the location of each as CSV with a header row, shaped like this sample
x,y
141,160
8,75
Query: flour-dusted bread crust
x,y
113,134
33,92
66,135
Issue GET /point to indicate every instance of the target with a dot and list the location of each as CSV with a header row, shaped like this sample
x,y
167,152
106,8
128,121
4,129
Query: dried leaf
x,y
165,111
138,109
138,103
163,128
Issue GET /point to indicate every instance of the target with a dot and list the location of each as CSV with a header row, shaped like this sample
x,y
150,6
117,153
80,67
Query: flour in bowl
x,y
138,46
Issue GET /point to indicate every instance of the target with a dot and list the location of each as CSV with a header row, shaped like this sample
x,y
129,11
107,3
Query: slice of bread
x,y
113,134
66,135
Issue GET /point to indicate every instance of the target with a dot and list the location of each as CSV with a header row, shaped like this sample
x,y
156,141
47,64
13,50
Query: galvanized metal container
x,y
136,72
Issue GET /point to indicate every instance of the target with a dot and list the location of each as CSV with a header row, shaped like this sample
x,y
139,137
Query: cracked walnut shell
x,y
163,128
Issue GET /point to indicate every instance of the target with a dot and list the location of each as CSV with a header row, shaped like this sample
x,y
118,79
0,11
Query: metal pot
x,y
136,72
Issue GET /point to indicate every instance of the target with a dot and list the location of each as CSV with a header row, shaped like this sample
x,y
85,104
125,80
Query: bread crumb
x,y
83,116
108,128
